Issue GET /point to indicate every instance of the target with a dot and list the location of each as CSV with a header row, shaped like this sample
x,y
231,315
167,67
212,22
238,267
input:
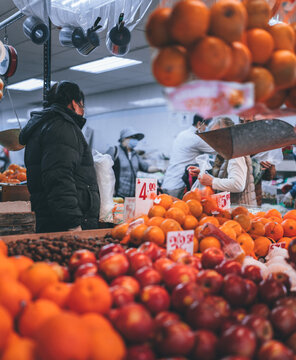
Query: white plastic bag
x,y
204,164
106,182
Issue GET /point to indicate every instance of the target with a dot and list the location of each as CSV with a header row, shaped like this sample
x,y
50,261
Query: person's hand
x,y
265,165
78,228
193,170
288,199
206,179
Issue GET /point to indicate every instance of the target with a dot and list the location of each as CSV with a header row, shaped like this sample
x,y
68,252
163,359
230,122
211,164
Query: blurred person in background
x,y
127,162
186,147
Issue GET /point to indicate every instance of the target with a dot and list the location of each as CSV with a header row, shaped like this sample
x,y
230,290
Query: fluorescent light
x,y
149,102
28,85
14,120
106,64
94,110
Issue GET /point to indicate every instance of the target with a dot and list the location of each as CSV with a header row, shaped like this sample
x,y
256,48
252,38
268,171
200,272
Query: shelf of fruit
x,y
231,41
15,174
140,303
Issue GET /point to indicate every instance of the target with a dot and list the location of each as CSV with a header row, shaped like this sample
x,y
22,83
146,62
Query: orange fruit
x,y
6,326
195,245
261,45
290,215
206,192
234,225
21,262
264,220
3,248
273,213
244,221
34,315
229,231
259,13
90,294
195,207
192,195
260,213
57,292
96,321
261,246
143,217
170,67
7,268
63,337
13,296
37,276
277,99
156,210
21,176
176,214
228,20
241,62
157,30
209,219
207,242
283,35
282,65
210,58
289,226
189,21
209,205
275,219
246,243
181,205
154,234
239,210
190,222
257,229
21,349
137,233
290,99
119,231
263,81
221,219
170,225
274,230
163,200
155,221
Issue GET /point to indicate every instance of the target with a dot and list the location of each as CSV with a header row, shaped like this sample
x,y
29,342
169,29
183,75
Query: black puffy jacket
x,y
60,171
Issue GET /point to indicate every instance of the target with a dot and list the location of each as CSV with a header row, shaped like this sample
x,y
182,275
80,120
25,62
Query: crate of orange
x,y
228,46
13,184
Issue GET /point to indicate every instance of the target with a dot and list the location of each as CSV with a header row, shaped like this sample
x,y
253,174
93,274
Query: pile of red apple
x,y
185,307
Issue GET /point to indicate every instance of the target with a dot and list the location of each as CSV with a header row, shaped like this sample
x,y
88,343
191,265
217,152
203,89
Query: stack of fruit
x,y
14,174
231,41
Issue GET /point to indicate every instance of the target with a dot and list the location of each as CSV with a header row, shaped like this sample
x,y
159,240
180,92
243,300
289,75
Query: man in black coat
x,y
60,170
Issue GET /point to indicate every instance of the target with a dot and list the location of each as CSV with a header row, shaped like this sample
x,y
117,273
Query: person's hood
x,y
40,117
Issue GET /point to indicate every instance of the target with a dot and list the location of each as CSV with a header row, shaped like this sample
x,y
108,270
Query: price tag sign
x,y
279,245
223,200
129,208
180,240
146,190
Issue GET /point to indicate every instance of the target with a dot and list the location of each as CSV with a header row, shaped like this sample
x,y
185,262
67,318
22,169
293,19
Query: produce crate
x,y
16,217
15,193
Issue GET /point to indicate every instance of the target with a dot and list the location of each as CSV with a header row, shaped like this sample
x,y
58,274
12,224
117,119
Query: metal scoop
x,y
10,139
250,138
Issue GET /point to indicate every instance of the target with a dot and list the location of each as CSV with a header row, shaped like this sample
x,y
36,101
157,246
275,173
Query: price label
x,y
146,190
278,245
180,240
129,208
223,200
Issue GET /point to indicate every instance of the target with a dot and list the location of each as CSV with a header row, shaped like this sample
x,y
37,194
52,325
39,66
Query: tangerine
x,y
57,292
119,231
257,229
176,214
181,205
263,81
246,243
170,225
244,221
154,234
290,215
155,221
209,219
192,195
156,210
190,222
258,13
261,45
261,246
274,230
283,35
6,327
241,62
207,242
157,29
282,66
163,200
137,233
195,207
289,226
277,99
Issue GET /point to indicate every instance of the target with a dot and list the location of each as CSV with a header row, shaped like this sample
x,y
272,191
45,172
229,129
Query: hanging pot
x,y
71,36
36,30
9,64
4,64
118,40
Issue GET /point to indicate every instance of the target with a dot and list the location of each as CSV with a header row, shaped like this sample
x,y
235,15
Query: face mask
x,y
133,143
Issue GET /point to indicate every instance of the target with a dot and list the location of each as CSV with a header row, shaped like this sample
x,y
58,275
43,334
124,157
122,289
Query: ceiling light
x,y
106,64
149,102
95,110
14,120
28,85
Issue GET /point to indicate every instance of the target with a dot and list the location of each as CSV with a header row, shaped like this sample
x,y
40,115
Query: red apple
x,y
253,273
184,295
229,267
274,350
140,352
261,327
174,339
80,257
228,323
134,323
238,340
220,304
128,282
190,261
139,260
234,289
176,254
238,315
88,269
62,271
106,249
292,250
235,358
202,315
178,274
148,276
252,292
210,281
291,342
162,264
112,315
271,290
113,265
166,316
287,301
161,253
205,347
155,298
128,252
283,320
212,257
150,249
260,310
120,296
282,278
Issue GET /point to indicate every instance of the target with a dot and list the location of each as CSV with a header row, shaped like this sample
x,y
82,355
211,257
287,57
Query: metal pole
x,y
18,15
47,63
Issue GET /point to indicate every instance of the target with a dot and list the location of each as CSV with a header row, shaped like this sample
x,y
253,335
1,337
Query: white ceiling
x,y
30,62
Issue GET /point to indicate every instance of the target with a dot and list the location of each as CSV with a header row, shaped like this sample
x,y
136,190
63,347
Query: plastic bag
x,y
106,181
204,164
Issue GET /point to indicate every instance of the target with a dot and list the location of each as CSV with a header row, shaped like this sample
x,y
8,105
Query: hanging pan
x,y
9,63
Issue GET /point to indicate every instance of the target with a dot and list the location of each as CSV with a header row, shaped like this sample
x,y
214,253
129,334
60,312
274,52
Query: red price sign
x,y
145,194
279,245
223,200
180,240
